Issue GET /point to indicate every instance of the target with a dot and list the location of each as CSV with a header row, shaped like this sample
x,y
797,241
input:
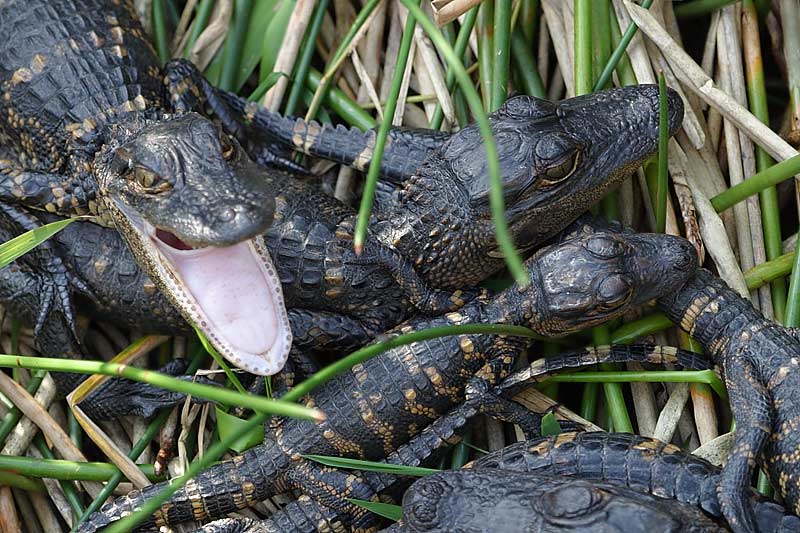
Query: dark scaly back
x,y
68,68
640,463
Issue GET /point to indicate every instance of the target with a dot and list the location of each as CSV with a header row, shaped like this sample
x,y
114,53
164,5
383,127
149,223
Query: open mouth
x,y
231,294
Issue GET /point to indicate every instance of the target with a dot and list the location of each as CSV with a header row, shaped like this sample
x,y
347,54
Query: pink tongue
x,y
231,290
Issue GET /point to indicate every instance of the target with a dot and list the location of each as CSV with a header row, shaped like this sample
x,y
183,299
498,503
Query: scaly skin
x,y
556,160
630,461
486,500
759,359
638,463
92,130
376,407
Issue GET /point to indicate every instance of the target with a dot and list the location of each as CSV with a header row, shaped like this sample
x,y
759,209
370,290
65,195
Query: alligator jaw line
x,y
231,294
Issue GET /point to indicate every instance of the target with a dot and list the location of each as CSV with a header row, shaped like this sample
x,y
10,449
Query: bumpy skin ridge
x,y
378,406
622,459
69,68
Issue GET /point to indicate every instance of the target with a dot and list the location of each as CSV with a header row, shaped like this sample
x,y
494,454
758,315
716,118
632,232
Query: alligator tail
x,y
404,151
228,486
634,353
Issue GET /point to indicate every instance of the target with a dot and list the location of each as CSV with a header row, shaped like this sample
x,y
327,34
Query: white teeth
x,y
231,294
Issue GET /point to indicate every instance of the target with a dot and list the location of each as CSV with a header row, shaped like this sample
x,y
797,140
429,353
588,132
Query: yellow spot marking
x,y
362,161
37,63
467,346
117,34
21,75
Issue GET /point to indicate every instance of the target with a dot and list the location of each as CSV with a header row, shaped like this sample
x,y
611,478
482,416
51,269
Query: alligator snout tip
x,y
675,107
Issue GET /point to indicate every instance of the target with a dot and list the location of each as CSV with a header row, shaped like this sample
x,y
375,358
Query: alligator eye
x,y
144,177
614,291
227,147
148,180
562,169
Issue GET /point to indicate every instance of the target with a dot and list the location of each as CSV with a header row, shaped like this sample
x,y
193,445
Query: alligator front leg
x,y
332,488
21,291
55,282
419,293
44,191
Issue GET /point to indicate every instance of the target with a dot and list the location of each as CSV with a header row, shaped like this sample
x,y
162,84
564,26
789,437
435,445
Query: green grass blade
x,y
583,46
647,376
769,177
497,203
304,57
234,43
265,86
220,361
698,8
202,16
62,469
371,466
217,394
371,183
160,31
502,52
386,510
461,45
619,51
22,244
228,425
550,425
338,56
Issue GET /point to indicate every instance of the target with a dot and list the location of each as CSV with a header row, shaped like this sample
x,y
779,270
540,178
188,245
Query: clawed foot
x,y
57,285
121,397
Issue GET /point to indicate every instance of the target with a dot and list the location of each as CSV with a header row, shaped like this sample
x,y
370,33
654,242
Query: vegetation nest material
x,y
722,182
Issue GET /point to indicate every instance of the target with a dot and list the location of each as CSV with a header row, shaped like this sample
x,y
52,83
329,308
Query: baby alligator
x,y
340,301
377,407
556,160
80,84
630,461
487,500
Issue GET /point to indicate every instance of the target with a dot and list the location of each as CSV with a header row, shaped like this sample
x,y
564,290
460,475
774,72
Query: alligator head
x,y
559,159
594,277
192,207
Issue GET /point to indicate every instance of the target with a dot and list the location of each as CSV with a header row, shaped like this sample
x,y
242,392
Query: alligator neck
x,y
709,311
